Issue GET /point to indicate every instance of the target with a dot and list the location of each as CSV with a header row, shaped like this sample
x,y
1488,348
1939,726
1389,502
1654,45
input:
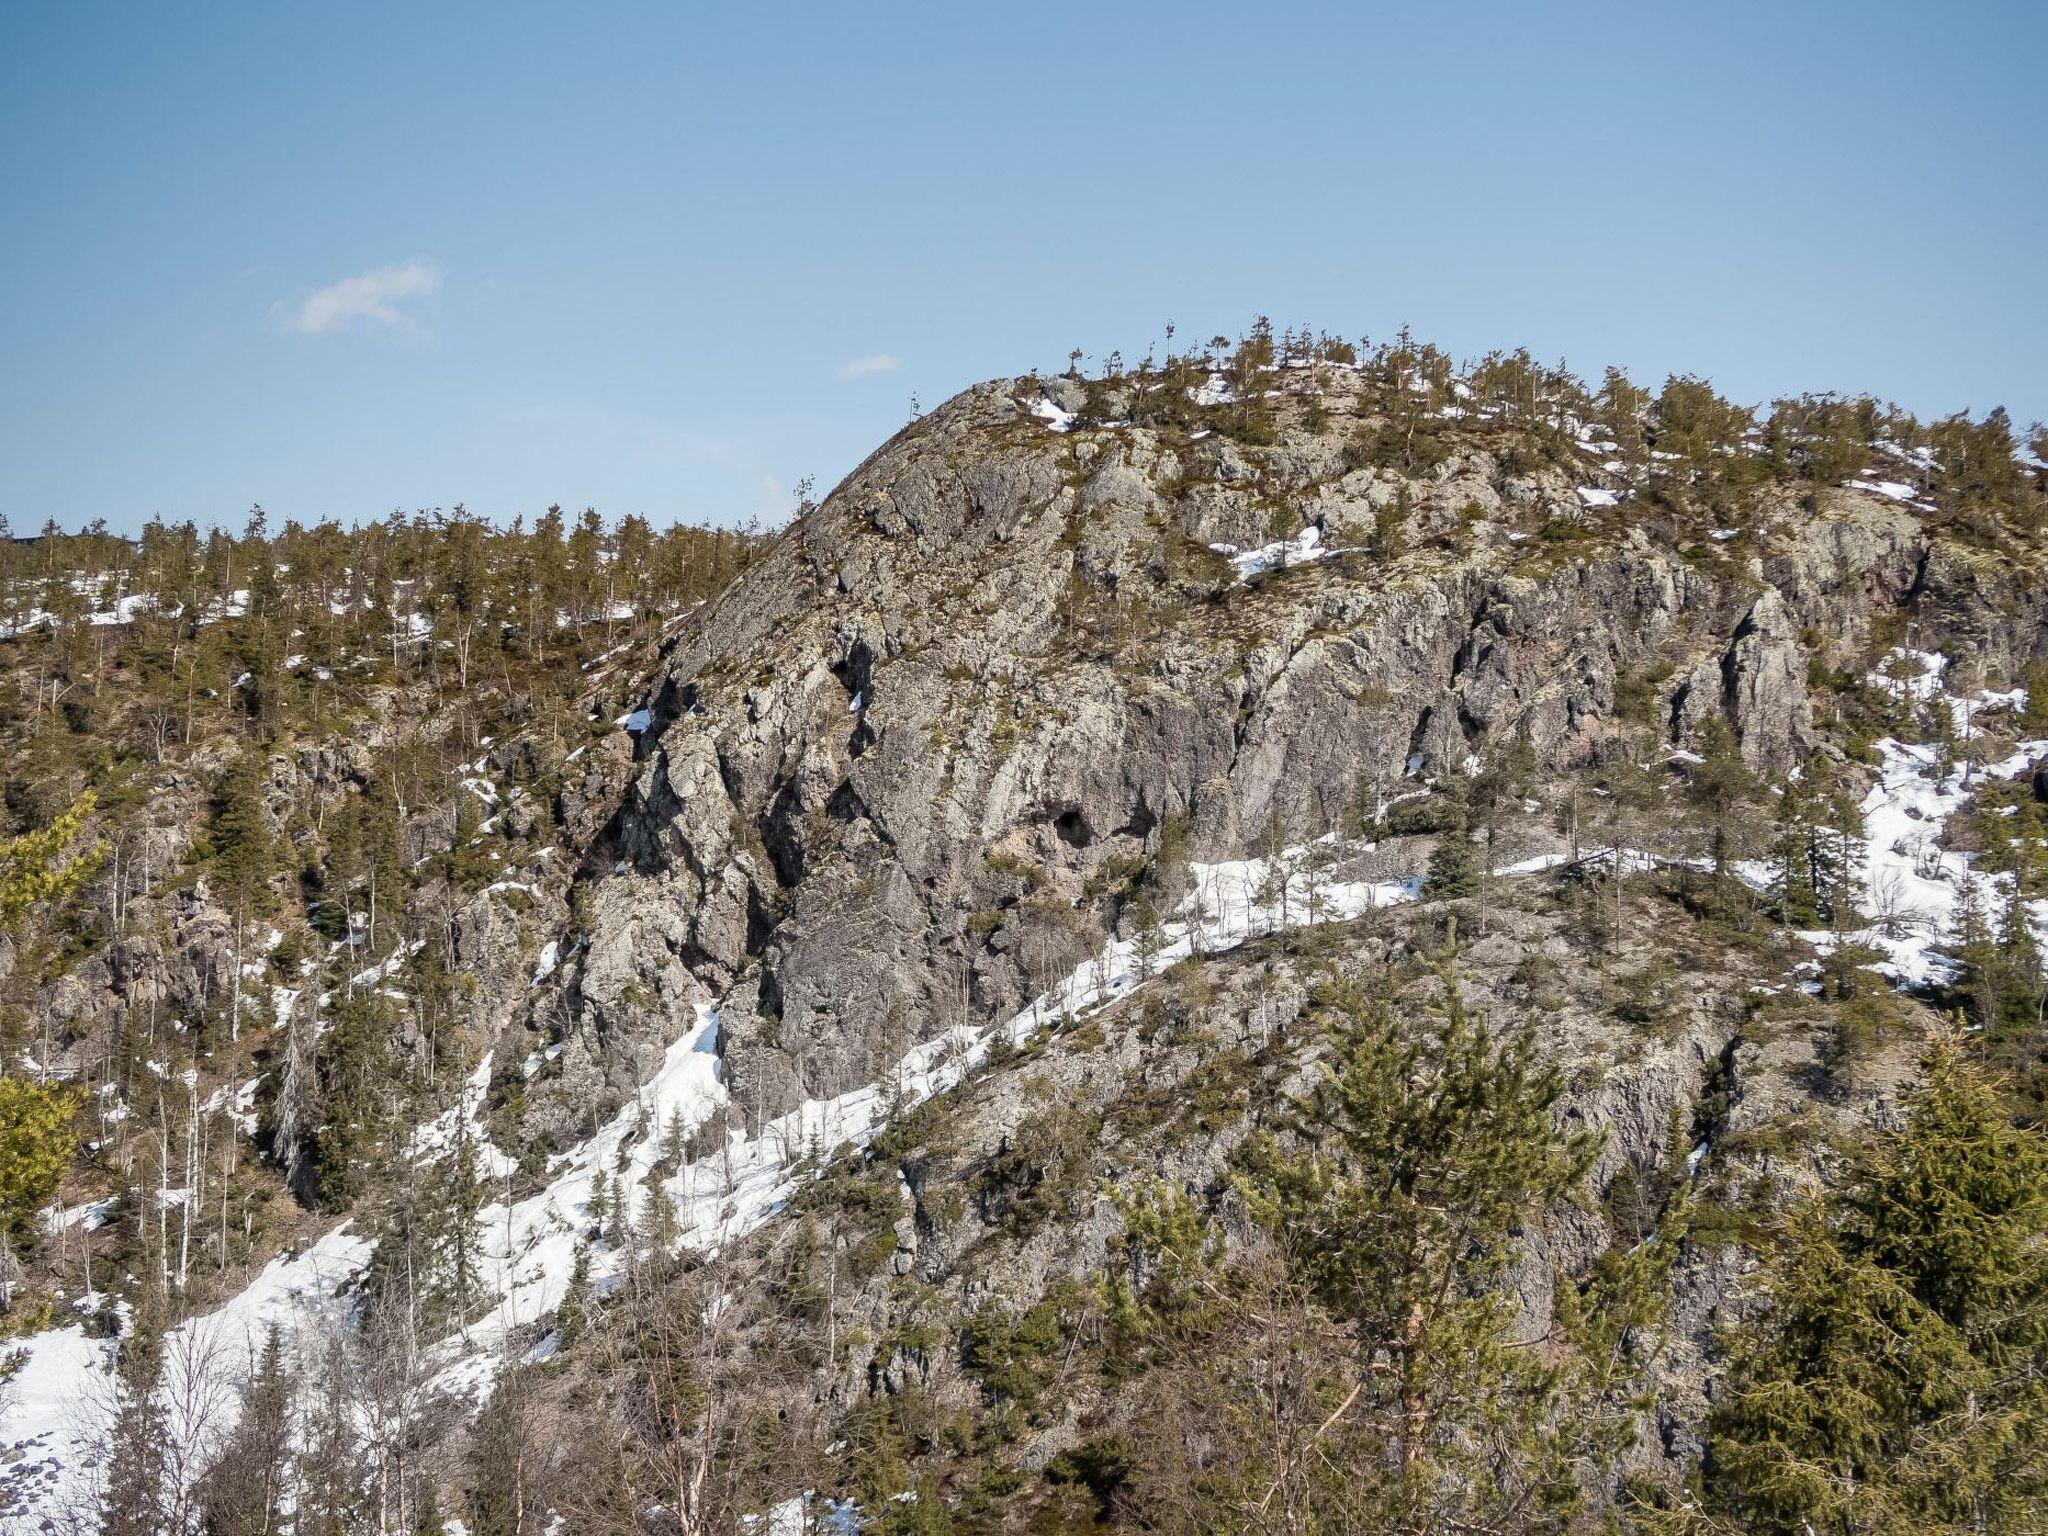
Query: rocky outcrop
x,y
1764,676
895,769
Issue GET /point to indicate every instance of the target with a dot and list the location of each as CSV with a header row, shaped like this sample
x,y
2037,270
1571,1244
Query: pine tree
x,y
36,1143
47,865
1422,1155
244,851
1899,1381
1496,793
573,1314
1148,935
1367,1367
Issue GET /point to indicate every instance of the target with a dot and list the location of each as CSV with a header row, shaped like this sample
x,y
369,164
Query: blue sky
x,y
670,259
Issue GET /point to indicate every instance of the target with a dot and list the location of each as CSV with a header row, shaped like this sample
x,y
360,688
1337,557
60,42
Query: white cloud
x,y
873,363
372,300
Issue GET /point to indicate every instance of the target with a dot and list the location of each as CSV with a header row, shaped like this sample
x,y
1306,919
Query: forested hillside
x,y
1294,937
260,766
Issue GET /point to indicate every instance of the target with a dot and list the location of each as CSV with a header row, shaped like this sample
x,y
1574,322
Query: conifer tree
x,y
1453,869
1495,794
501,1498
134,1465
355,1096
244,852
1421,1154
1899,1381
2033,716
47,865
1817,857
1972,944
1369,1366
384,866
2019,965
330,1461
247,1490
36,1142
244,859
1721,787
460,1196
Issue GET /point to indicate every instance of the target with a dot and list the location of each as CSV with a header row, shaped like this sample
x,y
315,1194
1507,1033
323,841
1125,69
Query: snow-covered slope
x,y
1911,884
55,1411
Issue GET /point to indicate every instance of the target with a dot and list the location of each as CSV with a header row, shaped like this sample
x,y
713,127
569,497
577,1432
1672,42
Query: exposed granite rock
x,y
999,642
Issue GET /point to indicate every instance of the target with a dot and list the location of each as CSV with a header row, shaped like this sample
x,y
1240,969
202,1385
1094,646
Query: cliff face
x,y
981,713
1002,662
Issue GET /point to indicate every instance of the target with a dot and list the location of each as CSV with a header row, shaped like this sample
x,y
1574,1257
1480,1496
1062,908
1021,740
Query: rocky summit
x,y
1298,938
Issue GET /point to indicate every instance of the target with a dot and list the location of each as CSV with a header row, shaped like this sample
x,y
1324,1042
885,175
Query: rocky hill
x,y
786,1072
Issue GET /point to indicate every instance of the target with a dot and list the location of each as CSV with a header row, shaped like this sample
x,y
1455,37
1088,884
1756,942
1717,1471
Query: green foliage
x,y
36,1142
1041,1171
359,1095
244,850
135,1496
1818,850
502,1498
2033,716
1899,1380
1421,1153
1722,789
1353,1365
1453,862
1015,1356
47,865
248,1488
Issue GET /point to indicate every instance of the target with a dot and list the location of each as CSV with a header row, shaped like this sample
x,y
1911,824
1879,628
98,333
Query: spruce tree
x,y
247,1490
134,1463
358,1094
1899,1380
244,859
1817,854
458,1196
2019,966
1721,787
2033,715
1453,870
383,853
1838,846
1972,945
